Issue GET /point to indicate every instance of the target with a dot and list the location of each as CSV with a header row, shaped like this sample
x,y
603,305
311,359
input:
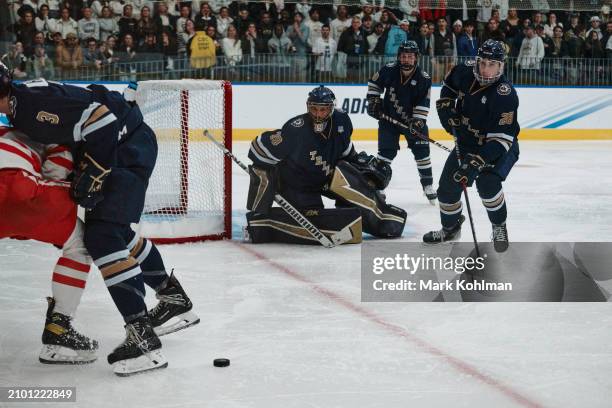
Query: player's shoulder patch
x,y
375,76
469,62
276,138
425,74
391,64
297,122
504,89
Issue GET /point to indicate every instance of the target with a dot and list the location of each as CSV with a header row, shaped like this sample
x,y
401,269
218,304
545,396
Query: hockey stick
x,y
440,145
467,200
341,237
417,134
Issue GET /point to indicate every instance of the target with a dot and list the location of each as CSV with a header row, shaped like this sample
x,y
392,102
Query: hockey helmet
x,y
407,47
494,52
320,105
5,80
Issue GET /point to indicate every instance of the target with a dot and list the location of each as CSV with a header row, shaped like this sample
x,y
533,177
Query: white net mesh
x,y
187,191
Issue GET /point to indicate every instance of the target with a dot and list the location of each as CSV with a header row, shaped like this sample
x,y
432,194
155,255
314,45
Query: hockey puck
x,y
221,362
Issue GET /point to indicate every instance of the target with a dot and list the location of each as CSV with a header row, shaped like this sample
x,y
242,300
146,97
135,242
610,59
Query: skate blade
x,y
54,354
177,323
153,360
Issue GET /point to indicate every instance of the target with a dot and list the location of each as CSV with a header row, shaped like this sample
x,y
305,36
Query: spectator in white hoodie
x,y
532,50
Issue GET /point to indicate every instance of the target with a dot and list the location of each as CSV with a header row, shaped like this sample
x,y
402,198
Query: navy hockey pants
x,y
388,145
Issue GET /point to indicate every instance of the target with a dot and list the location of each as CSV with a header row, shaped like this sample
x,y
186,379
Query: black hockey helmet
x,y
5,80
319,97
407,47
491,50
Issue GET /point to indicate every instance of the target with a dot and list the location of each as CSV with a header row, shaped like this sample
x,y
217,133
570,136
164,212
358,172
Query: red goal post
x,y
190,192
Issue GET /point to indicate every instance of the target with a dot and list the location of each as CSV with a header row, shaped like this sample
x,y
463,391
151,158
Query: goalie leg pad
x,y
262,187
380,219
278,226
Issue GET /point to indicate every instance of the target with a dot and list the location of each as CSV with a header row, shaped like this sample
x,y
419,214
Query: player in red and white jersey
x,y
35,204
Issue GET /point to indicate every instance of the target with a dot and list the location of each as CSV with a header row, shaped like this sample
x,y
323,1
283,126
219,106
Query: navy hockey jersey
x,y
92,118
305,159
488,113
404,98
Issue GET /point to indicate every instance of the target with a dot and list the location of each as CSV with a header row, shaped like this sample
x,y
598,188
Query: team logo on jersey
x,y
506,118
13,106
483,100
43,117
503,89
340,129
413,82
299,122
276,139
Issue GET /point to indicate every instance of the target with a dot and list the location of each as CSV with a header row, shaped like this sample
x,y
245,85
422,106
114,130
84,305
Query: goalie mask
x,y
320,105
5,80
404,59
489,65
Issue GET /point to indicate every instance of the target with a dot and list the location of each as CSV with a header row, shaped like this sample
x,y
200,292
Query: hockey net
x,y
189,194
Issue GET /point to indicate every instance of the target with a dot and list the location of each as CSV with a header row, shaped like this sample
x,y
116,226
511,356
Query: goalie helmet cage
x,y
189,194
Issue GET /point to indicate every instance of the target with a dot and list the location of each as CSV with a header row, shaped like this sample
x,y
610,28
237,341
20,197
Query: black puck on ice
x,y
221,362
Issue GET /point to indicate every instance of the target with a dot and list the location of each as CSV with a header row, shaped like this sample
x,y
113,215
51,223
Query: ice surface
x,y
291,321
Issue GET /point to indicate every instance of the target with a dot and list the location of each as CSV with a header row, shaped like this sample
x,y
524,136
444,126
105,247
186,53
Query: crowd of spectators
x,y
61,38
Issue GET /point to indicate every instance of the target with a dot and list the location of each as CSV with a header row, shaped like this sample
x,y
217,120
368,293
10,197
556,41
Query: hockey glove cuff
x,y
469,170
86,187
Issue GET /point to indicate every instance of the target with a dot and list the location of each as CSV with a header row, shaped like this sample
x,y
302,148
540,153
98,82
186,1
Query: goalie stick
x,y
440,145
336,239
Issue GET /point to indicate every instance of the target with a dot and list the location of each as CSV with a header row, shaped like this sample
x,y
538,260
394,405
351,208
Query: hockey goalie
x,y
35,204
310,157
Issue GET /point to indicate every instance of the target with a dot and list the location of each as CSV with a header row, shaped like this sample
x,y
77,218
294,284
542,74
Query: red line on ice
x,y
455,362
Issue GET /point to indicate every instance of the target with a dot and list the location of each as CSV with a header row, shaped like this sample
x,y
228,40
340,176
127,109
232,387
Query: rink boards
x,y
545,113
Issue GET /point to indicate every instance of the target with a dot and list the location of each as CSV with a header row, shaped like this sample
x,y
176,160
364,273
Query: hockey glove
x,y
416,127
449,118
374,106
376,171
86,187
469,170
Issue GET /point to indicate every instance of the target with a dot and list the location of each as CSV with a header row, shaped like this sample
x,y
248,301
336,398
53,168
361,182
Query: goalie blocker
x,y
353,185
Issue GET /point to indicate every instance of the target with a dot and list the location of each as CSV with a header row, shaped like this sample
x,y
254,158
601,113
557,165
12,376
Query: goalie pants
x,y
114,247
388,145
488,183
33,208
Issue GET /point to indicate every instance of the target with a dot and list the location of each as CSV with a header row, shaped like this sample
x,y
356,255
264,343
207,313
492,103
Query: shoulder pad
x,y
470,62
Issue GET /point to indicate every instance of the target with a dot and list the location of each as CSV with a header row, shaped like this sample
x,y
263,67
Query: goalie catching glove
x,y
377,172
86,187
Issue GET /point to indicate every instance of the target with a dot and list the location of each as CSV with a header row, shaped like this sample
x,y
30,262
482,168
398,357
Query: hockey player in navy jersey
x,y
407,91
116,152
310,157
478,105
